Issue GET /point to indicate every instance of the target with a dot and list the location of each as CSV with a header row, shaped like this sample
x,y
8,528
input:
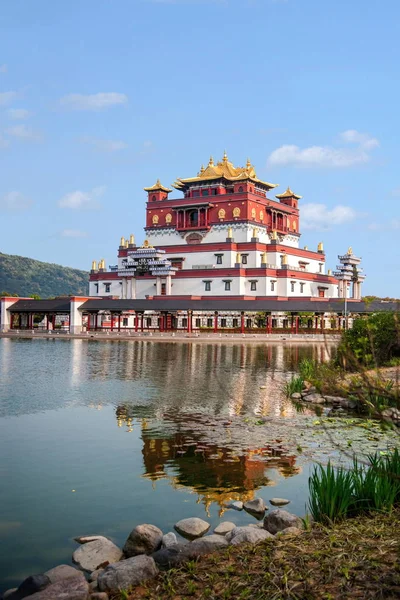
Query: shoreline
x,y
186,338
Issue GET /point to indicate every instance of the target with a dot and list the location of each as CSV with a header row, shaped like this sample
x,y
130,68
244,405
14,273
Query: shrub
x,y
331,493
296,384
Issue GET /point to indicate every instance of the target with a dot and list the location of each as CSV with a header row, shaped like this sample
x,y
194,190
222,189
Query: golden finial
x,y
254,232
274,235
146,244
237,258
122,243
230,234
102,264
284,259
248,164
321,247
225,158
202,170
126,244
350,251
329,271
94,265
132,239
211,162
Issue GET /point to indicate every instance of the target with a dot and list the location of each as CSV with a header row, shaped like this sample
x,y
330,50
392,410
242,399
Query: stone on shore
x,y
63,572
192,528
205,545
279,501
144,539
255,507
247,534
127,573
296,396
314,398
29,587
278,519
169,539
224,528
237,505
173,556
94,576
290,531
93,554
71,588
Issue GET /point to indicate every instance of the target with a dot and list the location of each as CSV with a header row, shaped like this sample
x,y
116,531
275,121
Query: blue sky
x,y
100,98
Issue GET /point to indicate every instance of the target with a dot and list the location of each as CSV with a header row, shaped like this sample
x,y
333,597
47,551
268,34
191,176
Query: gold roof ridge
x,y
157,186
288,194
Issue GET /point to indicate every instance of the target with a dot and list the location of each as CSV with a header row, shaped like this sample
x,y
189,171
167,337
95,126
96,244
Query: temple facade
x,y
223,238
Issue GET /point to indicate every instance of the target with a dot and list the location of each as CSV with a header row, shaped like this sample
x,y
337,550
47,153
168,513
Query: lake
x,y
98,437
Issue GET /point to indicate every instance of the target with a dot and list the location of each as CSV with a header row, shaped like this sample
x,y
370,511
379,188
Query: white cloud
x,y
326,156
93,101
15,201
3,69
18,114
79,200
7,97
105,145
23,132
319,217
73,233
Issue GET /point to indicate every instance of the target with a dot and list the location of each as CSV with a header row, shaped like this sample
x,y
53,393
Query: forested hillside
x,y
26,277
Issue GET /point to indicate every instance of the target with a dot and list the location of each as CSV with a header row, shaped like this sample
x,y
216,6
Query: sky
x,y
99,98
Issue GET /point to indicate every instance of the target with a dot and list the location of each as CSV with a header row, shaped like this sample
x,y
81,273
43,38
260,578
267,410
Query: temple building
x,y
223,238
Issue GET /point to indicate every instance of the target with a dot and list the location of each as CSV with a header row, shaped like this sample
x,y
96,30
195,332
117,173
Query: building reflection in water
x,y
173,450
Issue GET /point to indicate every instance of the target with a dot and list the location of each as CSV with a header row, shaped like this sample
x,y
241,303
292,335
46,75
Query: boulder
x,y
336,400
84,539
192,528
63,572
94,576
144,539
290,531
169,539
247,534
205,545
224,528
91,555
71,588
314,398
30,585
127,573
279,501
237,505
296,396
255,507
173,556
278,519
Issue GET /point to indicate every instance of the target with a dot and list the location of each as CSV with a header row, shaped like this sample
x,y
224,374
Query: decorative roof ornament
x,y
225,157
350,251
288,194
122,242
157,187
248,164
230,233
94,265
274,235
284,259
131,239
211,162
320,247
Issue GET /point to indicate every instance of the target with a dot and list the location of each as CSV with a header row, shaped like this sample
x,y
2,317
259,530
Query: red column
x,y
242,322
96,324
136,321
47,321
292,324
160,327
266,323
54,322
142,321
322,323
339,323
119,323
12,321
189,321
297,324
88,323
112,321
216,321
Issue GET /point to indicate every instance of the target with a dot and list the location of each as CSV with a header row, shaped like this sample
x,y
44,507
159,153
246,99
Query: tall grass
x,y
296,384
308,368
337,493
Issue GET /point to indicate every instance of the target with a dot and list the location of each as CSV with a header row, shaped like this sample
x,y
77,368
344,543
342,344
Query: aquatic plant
x,y
308,368
331,493
296,384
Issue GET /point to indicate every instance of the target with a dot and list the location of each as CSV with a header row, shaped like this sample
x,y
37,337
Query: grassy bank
x,y
357,558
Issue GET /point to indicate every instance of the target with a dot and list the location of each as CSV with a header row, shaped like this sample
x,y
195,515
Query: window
x,y
148,321
320,267
244,259
207,286
253,286
292,286
248,323
219,259
235,322
272,286
209,323
107,287
198,323
184,322
204,192
196,193
163,289
321,293
96,287
125,322
227,286
240,190
223,322
302,287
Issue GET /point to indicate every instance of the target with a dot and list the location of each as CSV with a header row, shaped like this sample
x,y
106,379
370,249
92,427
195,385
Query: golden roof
x,y
224,169
288,194
157,186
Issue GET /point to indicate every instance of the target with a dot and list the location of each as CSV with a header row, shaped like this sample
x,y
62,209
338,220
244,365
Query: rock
x,y
289,531
192,528
92,554
296,396
224,528
93,587
94,576
144,539
337,400
127,573
63,572
8,593
71,588
205,545
84,539
235,505
257,525
247,534
255,507
314,398
99,596
173,556
391,414
307,385
31,585
311,388
278,519
169,539
279,501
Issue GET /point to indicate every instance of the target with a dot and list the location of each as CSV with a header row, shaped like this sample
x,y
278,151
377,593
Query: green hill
x,y
25,277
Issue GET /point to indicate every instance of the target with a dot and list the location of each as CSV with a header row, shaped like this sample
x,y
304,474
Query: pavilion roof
x,y
288,194
156,187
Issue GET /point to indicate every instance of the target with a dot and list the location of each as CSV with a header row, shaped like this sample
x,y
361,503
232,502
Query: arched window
x,y
153,198
240,190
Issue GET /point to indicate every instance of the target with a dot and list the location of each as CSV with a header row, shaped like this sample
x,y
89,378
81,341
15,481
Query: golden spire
x,y
211,162
274,235
131,239
321,247
254,232
284,259
230,234
122,243
94,265
225,157
248,164
202,170
126,244
350,251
